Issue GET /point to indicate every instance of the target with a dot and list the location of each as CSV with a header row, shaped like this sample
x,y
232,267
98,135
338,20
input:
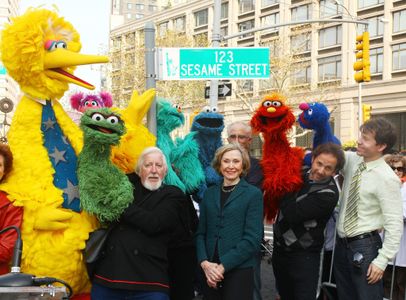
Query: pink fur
x,y
75,100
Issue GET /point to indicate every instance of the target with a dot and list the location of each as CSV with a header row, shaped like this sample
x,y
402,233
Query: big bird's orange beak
x,y
58,65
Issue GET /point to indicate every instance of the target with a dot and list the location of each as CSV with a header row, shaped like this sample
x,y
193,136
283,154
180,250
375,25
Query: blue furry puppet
x,y
183,154
105,190
316,116
208,124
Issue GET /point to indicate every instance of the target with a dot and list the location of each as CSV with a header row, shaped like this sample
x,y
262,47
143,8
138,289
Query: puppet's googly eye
x,y
97,117
310,112
61,44
214,109
267,104
94,103
86,103
276,103
112,119
52,45
206,109
312,104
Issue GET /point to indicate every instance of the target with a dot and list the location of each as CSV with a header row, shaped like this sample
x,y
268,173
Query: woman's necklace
x,y
228,190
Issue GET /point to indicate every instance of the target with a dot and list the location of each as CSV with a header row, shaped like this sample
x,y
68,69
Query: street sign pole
x,y
214,84
150,72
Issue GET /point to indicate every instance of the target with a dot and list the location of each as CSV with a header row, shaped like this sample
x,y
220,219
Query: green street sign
x,y
213,63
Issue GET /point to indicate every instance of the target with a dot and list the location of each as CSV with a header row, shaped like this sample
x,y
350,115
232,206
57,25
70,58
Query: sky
x,y
91,19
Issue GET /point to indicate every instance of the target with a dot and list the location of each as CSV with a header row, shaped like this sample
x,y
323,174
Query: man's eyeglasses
x,y
239,137
399,169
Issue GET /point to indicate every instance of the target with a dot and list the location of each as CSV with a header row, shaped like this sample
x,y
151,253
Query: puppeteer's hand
x,y
52,218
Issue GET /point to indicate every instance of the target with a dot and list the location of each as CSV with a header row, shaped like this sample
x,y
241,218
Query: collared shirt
x,y
379,204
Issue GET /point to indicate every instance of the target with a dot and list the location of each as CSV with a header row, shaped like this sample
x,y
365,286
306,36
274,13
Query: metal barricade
x,y
33,293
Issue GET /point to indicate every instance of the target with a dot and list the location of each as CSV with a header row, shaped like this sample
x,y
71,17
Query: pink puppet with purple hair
x,y
81,102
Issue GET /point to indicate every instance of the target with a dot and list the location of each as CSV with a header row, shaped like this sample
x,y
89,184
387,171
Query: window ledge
x,y
370,7
399,71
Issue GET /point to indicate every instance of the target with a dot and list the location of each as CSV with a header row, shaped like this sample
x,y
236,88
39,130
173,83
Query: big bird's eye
x,y
276,103
214,109
112,119
206,109
51,45
267,104
61,44
310,111
97,117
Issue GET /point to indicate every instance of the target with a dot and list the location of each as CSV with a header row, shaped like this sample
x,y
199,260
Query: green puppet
x,y
105,190
184,168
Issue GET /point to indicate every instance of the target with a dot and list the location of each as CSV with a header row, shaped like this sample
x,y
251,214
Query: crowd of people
x,y
161,249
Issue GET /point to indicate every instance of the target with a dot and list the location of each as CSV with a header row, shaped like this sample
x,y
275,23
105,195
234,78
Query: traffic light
x,y
366,112
362,62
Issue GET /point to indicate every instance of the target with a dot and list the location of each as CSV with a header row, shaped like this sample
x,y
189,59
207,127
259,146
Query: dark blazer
x,y
136,252
238,228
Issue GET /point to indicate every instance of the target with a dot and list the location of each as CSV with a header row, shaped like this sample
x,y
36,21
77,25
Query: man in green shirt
x,y
370,202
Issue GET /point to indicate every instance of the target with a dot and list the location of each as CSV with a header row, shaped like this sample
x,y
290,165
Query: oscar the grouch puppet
x,y
105,190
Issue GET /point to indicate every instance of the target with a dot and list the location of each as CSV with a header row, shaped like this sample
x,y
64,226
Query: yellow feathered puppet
x,y
40,51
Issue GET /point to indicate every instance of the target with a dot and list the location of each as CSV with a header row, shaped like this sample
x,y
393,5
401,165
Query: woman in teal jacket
x,y
230,228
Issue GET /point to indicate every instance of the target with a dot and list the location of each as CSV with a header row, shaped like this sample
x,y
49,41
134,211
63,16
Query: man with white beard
x,y
135,263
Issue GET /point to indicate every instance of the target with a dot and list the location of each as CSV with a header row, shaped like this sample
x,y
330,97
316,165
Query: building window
x,y
179,24
247,25
399,56
139,6
139,16
268,2
201,18
366,3
329,8
129,16
223,31
246,5
300,43
399,20
376,59
272,19
152,8
162,29
301,13
375,27
248,85
302,76
129,6
330,36
330,68
224,10
117,42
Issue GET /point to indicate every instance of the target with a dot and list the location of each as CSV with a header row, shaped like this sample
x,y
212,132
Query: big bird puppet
x,y
40,50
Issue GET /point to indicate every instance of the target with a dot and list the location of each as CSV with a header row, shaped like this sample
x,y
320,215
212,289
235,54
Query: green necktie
x,y
351,211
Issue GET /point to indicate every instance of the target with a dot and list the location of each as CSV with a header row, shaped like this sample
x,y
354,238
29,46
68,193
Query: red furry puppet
x,y
280,162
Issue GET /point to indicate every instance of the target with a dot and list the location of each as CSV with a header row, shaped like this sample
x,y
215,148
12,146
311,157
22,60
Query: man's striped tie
x,y
351,211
